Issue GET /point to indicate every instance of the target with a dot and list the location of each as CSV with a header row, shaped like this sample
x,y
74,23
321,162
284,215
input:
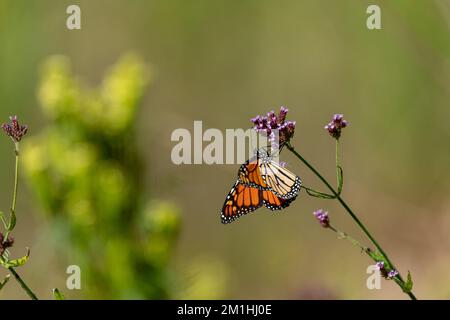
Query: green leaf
x,y
409,283
2,284
17,262
318,194
12,221
58,295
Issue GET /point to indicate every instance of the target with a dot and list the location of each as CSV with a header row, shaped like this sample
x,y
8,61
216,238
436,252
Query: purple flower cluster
x,y
270,124
14,129
4,244
392,274
336,125
322,217
380,265
389,275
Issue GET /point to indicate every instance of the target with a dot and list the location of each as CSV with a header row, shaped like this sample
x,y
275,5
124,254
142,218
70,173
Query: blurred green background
x,y
224,62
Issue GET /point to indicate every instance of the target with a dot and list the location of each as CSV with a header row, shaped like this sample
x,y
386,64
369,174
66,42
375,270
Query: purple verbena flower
x,y
272,120
270,123
5,244
286,131
282,115
322,217
384,272
14,129
336,125
392,274
380,265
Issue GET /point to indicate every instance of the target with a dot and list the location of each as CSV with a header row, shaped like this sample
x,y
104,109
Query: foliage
x,y
86,171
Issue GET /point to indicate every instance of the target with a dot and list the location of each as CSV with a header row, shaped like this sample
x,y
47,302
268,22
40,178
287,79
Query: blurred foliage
x,y
85,169
204,278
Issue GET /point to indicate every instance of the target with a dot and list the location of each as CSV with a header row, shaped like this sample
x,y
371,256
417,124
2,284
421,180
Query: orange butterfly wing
x,y
250,174
273,202
275,188
265,174
240,200
244,199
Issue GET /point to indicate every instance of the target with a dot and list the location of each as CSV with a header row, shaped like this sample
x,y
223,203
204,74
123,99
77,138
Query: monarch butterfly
x,y
261,181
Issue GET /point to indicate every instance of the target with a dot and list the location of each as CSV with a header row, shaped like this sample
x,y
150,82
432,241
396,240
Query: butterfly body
x,y
261,182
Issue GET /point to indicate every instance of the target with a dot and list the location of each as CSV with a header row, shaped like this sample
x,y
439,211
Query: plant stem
x,y
16,177
349,211
16,186
337,162
23,284
8,230
343,235
20,280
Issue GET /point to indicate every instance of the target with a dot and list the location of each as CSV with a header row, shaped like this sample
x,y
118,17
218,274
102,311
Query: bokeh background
x,y
150,229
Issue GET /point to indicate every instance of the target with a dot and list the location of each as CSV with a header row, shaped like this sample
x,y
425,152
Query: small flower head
x,y
14,129
380,265
282,115
336,125
392,274
268,124
322,217
384,272
5,244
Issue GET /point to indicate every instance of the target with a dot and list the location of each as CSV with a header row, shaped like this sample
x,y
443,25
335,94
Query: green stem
x,y
16,177
16,186
23,284
20,280
337,162
349,211
9,229
356,243
339,173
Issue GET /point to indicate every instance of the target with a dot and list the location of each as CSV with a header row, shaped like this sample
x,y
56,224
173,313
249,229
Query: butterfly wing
x,y
250,175
244,199
240,200
282,182
261,181
273,202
